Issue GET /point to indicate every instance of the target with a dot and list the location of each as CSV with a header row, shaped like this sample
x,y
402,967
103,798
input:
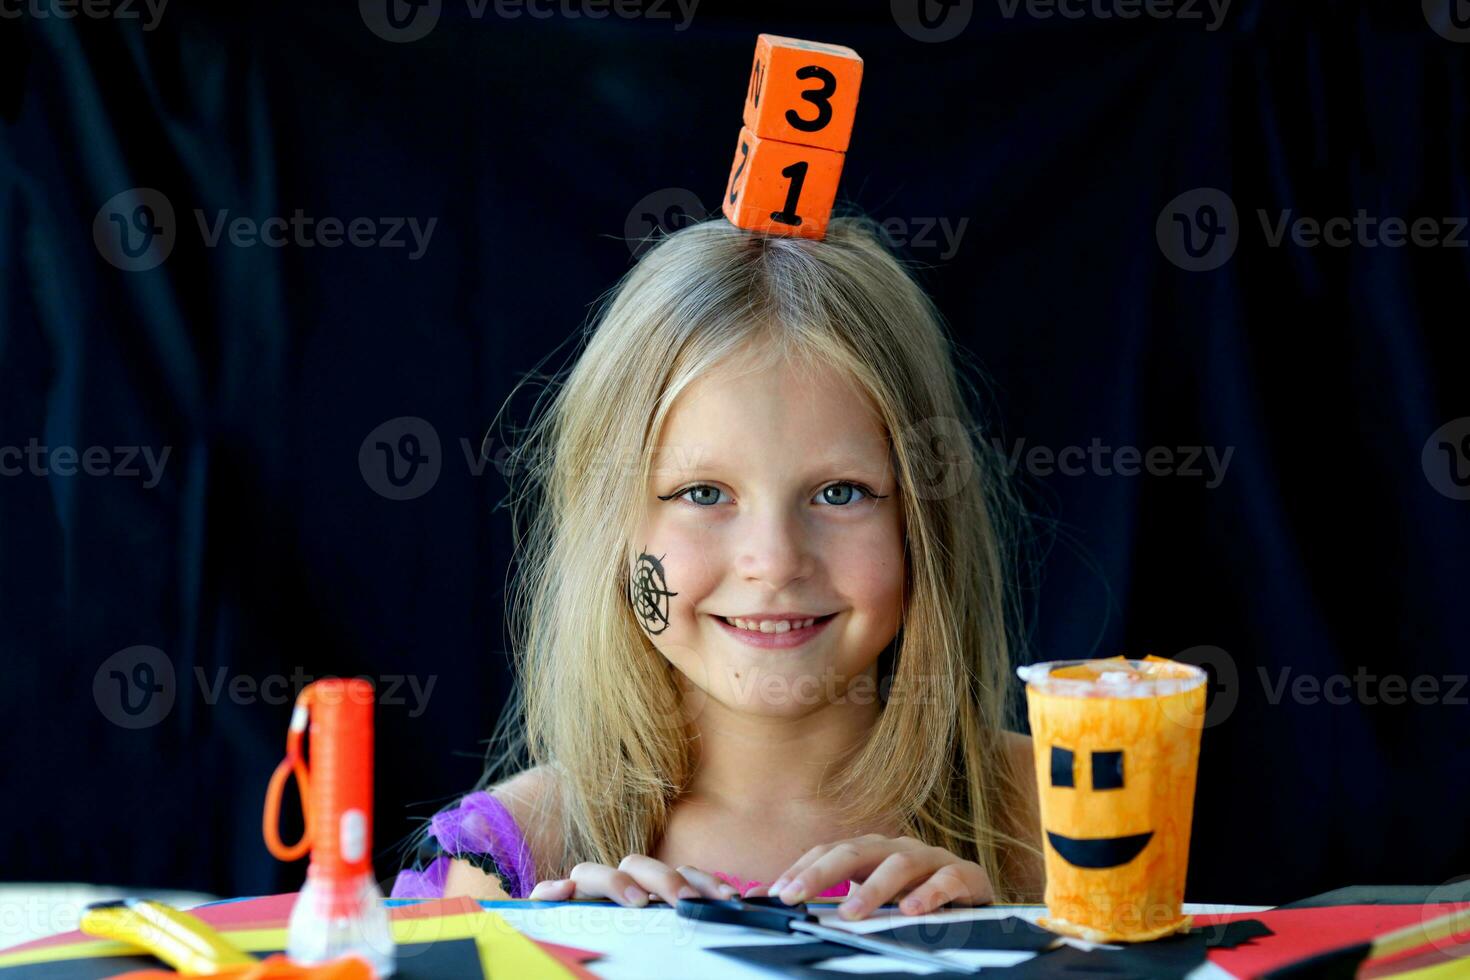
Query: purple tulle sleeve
x,y
481,830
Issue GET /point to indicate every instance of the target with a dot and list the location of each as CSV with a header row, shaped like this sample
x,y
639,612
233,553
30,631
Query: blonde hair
x,y
589,684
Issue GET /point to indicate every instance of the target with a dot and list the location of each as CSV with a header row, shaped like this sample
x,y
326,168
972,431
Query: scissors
x,y
769,913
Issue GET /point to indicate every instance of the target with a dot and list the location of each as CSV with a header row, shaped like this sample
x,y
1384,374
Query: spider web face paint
x,y
650,594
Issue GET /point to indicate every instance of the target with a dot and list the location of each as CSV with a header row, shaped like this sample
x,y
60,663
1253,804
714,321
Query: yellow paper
x,y
504,952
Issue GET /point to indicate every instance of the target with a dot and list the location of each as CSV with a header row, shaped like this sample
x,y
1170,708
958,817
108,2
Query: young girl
x,y
762,610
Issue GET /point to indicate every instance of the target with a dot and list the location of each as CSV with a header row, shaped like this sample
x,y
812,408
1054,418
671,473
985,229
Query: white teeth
x,y
769,625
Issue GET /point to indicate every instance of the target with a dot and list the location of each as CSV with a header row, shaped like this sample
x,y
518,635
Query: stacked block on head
x,y
782,188
799,110
803,92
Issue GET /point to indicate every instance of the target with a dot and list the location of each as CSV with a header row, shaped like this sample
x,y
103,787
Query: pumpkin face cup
x,y
1117,747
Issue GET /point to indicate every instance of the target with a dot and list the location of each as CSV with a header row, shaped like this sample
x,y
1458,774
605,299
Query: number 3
x,y
819,97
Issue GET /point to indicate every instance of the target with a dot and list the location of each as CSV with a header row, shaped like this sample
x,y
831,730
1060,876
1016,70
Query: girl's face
x,y
771,568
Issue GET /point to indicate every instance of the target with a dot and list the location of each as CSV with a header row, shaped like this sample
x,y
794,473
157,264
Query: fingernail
x,y
779,884
909,905
850,909
793,894
635,895
727,891
687,892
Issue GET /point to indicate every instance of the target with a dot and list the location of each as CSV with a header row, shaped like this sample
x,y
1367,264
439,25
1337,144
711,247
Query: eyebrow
x,y
684,460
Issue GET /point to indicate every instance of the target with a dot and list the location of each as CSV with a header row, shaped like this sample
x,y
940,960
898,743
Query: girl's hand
x,y
886,866
636,879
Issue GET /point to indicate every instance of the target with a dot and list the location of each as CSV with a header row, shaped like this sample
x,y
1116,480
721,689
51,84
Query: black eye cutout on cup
x,y
1107,770
1061,766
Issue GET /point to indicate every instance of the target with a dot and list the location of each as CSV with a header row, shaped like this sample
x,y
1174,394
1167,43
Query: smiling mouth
x,y
1099,852
773,625
786,635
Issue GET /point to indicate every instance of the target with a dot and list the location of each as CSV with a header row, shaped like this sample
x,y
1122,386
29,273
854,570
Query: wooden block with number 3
x,y
803,92
781,188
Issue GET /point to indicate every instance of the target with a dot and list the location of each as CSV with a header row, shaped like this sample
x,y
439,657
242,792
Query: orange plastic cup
x,y
1117,749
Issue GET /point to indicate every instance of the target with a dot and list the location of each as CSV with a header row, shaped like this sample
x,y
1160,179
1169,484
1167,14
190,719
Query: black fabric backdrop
x,y
1333,545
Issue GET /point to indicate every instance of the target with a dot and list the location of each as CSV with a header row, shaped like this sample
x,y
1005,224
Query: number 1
x,y
787,215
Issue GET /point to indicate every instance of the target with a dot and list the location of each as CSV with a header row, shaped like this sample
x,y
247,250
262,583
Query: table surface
x,y
655,942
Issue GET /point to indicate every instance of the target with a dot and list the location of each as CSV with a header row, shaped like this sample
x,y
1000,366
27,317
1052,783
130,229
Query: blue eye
x,y
839,494
702,495
836,494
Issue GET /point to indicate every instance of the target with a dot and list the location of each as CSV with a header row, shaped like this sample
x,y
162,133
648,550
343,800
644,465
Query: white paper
x,y
656,942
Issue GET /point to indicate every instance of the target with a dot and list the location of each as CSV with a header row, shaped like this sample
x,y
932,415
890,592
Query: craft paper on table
x,y
1007,949
502,950
263,912
1303,932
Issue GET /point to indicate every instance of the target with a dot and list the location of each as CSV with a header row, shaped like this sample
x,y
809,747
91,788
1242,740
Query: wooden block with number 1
x,y
781,188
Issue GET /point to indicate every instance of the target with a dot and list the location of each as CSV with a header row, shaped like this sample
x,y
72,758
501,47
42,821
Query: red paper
x,y
438,906
1300,933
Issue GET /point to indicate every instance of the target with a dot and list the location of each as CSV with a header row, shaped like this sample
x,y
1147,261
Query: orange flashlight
x,y
340,910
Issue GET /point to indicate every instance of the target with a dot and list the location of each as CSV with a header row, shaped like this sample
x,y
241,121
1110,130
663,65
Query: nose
x,y
773,550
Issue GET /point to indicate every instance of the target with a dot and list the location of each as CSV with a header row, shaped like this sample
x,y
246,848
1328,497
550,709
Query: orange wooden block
x,y
803,92
781,188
